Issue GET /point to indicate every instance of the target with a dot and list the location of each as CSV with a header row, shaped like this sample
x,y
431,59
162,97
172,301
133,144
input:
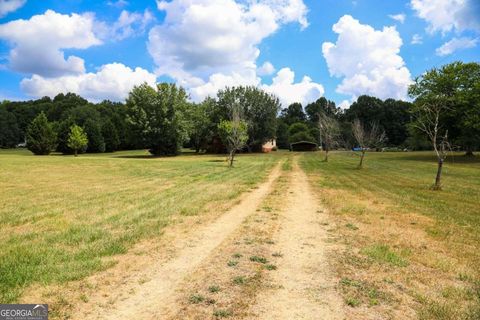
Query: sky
x,y
298,50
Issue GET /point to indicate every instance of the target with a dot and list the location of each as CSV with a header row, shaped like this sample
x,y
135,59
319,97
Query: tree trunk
x,y
326,155
469,152
438,179
232,155
76,153
360,165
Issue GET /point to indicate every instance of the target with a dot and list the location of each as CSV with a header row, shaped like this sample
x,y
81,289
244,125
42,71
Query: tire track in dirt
x,y
304,287
151,300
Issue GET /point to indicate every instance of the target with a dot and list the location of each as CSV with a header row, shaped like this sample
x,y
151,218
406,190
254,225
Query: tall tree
x,y
259,109
110,136
293,114
456,86
155,115
41,137
96,143
10,134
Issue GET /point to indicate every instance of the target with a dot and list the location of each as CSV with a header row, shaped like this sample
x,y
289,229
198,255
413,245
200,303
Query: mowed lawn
x,y
406,247
61,217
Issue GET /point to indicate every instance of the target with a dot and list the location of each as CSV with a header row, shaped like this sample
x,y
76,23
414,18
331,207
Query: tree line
x,y
163,120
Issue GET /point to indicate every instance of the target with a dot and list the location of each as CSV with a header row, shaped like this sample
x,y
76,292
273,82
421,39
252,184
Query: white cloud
x,y
398,17
368,59
456,44
449,15
289,92
118,4
39,41
204,50
7,6
345,104
416,39
130,24
112,81
266,69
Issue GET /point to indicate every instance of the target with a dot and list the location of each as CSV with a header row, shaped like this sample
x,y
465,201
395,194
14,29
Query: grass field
x,y
400,250
406,249
61,217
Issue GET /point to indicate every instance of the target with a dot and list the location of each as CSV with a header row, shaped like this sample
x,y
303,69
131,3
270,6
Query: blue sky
x,y
298,50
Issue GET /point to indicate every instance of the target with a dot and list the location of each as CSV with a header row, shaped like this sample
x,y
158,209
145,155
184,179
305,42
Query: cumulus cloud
x,y
7,6
456,44
288,91
204,50
367,59
38,42
266,69
398,17
449,15
112,81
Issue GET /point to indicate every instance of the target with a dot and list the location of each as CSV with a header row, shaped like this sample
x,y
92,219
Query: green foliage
x,y
41,138
10,134
456,86
155,113
233,133
96,143
110,136
299,132
78,139
200,125
258,108
293,114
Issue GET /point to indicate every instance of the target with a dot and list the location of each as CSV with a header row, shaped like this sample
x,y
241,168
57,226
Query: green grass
x,y
62,218
383,254
405,178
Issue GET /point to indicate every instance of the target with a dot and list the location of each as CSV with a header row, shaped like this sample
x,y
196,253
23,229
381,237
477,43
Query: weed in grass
x,y
84,297
214,289
232,263
350,282
277,254
268,209
351,226
210,301
220,313
237,255
258,259
238,280
270,242
196,298
352,302
270,267
383,254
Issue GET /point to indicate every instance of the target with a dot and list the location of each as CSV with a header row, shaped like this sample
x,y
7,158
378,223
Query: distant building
x,y
303,146
270,145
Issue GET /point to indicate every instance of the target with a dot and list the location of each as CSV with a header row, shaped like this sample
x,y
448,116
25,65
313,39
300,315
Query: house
x,y
270,145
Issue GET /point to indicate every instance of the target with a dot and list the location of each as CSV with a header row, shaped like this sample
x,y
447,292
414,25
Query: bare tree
x,y
234,133
329,133
428,121
367,139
